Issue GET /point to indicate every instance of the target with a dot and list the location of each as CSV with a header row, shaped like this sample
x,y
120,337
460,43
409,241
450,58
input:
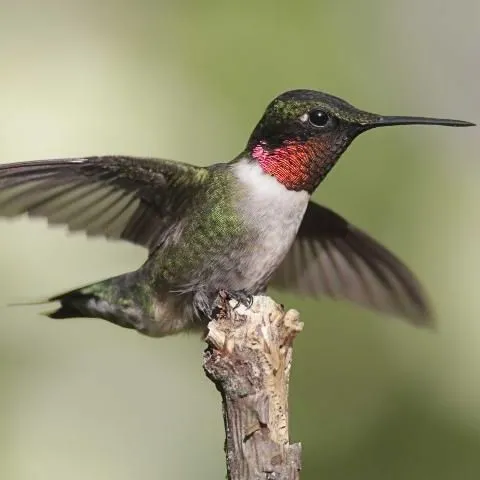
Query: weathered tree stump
x,y
249,357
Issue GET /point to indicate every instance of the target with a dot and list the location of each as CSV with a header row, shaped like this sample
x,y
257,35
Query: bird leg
x,y
240,296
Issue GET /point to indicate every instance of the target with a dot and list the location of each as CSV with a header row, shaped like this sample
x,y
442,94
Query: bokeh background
x,y
371,397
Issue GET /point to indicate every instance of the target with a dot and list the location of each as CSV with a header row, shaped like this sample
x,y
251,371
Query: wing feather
x,y
135,199
331,257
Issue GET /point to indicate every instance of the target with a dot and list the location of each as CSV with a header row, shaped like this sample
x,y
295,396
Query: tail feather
x,y
112,299
104,300
73,304
127,301
70,304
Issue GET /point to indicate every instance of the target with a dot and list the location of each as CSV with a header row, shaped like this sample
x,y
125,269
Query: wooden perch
x,y
249,356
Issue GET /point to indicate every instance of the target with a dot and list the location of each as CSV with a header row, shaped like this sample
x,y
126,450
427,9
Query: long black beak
x,y
394,120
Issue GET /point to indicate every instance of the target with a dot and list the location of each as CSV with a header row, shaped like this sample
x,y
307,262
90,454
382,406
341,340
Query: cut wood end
x,y
265,318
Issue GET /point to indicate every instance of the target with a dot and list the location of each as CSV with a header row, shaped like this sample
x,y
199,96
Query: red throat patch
x,y
297,165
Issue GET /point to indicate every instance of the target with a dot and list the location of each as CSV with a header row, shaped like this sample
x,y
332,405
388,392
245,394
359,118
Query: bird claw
x,y
240,296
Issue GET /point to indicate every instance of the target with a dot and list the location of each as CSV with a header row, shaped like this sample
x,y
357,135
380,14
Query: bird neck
x,y
262,196
298,165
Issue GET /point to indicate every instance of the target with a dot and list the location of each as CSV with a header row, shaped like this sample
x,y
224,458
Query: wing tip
x,y
425,321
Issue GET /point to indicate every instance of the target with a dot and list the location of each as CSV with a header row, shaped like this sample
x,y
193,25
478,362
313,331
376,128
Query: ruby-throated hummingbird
x,y
235,227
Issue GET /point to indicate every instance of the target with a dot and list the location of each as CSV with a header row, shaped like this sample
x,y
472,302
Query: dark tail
x,y
73,304
128,301
114,299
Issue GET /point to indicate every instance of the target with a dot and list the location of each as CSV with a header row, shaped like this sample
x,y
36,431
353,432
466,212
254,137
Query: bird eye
x,y
318,118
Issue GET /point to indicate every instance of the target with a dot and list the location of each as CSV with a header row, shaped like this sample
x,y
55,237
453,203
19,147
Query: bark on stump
x,y
249,357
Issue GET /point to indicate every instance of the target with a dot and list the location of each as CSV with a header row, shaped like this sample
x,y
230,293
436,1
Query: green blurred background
x,y
371,397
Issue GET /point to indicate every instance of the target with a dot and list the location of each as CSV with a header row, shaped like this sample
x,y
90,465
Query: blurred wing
x,y
135,199
332,257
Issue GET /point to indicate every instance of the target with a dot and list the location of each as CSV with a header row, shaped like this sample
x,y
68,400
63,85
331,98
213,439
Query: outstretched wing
x,y
135,199
332,257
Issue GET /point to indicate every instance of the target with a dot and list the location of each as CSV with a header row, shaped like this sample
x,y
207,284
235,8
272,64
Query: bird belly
x,y
272,214
274,239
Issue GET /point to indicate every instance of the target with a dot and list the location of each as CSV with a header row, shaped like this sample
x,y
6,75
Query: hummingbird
x,y
234,227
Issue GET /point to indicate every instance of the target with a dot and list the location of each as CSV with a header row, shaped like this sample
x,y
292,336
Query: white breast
x,y
273,212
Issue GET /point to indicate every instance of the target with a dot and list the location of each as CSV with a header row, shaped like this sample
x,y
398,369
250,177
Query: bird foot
x,y
240,296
